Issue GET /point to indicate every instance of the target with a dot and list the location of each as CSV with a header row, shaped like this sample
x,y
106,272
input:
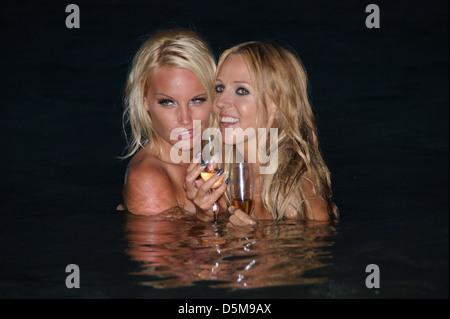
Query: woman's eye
x,y
198,101
166,102
242,91
219,88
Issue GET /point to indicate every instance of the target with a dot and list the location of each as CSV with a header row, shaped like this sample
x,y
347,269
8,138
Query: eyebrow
x,y
168,96
238,82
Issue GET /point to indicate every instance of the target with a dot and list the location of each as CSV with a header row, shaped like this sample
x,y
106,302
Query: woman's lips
x,y
185,134
227,120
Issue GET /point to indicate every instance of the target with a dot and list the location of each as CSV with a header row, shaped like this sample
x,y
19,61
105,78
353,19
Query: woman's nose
x,y
184,116
222,101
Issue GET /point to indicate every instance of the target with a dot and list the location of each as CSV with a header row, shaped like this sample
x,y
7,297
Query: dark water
x,y
381,99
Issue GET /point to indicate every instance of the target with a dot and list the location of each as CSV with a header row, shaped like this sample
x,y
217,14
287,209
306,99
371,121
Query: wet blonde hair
x,y
280,77
167,48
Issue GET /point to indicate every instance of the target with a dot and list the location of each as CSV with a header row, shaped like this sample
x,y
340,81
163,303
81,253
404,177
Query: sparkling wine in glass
x,y
242,186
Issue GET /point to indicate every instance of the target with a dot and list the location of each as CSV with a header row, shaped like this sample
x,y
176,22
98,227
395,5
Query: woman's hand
x,y
240,218
201,193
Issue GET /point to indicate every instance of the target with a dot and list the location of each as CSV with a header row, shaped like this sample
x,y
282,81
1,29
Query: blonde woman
x,y
170,88
262,85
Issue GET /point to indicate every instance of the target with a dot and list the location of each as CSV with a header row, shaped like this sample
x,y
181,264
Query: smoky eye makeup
x,y
242,91
219,88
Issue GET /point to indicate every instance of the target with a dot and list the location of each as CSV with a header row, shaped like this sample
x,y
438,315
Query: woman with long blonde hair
x,y
170,88
262,85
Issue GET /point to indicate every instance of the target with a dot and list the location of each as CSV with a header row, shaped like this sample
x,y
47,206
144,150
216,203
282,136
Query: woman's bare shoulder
x,y
316,208
147,189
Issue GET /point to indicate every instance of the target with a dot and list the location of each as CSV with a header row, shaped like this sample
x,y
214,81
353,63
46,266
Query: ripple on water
x,y
175,250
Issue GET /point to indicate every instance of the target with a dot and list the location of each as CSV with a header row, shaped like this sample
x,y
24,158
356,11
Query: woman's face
x,y
175,99
235,104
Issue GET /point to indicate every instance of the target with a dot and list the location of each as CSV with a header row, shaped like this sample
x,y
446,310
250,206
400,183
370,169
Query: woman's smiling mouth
x,y
227,120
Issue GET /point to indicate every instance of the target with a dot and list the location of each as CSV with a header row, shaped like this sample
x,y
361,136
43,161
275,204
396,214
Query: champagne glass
x,y
242,186
211,150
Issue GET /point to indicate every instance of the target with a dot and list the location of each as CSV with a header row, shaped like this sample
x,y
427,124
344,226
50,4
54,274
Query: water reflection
x,y
176,250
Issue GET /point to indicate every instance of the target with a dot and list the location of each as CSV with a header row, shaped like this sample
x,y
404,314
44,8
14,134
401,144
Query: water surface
x,y
174,250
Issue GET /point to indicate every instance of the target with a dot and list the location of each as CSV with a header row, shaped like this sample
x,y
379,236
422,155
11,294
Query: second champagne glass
x,y
242,186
